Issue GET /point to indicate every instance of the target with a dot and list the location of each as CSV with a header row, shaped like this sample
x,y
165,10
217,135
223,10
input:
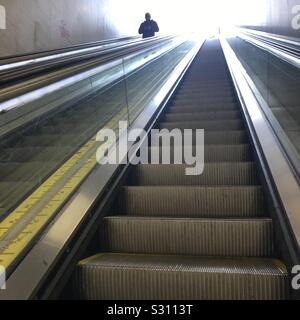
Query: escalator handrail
x,y
38,82
287,41
279,47
28,67
34,54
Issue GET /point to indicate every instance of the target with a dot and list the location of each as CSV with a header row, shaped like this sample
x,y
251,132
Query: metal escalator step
x,y
208,85
206,105
204,99
204,94
229,174
198,116
198,237
229,137
207,125
202,108
148,277
205,85
212,153
205,91
191,201
196,82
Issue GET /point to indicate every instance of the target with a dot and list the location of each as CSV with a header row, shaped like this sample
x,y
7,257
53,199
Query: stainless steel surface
x,y
284,179
84,58
41,258
279,38
11,62
278,52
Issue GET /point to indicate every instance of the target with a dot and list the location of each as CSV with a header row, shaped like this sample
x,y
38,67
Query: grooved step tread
x,y
212,153
200,116
198,237
202,108
229,174
207,103
200,202
134,277
200,99
205,93
227,137
206,125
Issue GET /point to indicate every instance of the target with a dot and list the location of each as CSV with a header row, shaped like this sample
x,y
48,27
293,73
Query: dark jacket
x,y
148,29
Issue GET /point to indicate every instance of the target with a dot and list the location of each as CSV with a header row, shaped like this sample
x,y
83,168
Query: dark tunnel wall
x,y
281,17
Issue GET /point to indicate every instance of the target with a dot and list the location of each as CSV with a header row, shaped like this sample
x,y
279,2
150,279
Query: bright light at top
x,y
174,16
186,16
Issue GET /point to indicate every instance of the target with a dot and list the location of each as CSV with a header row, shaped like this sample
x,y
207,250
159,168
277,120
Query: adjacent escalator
x,y
172,236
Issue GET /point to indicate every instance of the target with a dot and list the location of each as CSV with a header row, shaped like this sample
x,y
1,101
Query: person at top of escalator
x,y
148,27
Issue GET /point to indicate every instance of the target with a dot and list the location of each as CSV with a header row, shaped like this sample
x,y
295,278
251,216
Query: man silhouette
x,y
148,27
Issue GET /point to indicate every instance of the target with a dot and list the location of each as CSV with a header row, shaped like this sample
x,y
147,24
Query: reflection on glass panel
x,y
279,84
29,156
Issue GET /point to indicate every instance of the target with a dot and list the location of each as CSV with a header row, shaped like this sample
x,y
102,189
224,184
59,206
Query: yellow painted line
x,y
90,259
12,246
280,265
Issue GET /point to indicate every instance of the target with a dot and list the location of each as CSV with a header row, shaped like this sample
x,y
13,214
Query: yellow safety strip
x,y
19,228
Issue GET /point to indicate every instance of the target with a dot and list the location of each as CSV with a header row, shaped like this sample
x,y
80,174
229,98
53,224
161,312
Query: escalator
x,y
172,236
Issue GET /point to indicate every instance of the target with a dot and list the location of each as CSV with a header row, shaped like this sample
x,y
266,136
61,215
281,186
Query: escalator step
x,y
204,99
228,137
200,202
204,108
219,103
229,174
212,153
200,116
204,94
206,125
198,237
138,277
204,91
